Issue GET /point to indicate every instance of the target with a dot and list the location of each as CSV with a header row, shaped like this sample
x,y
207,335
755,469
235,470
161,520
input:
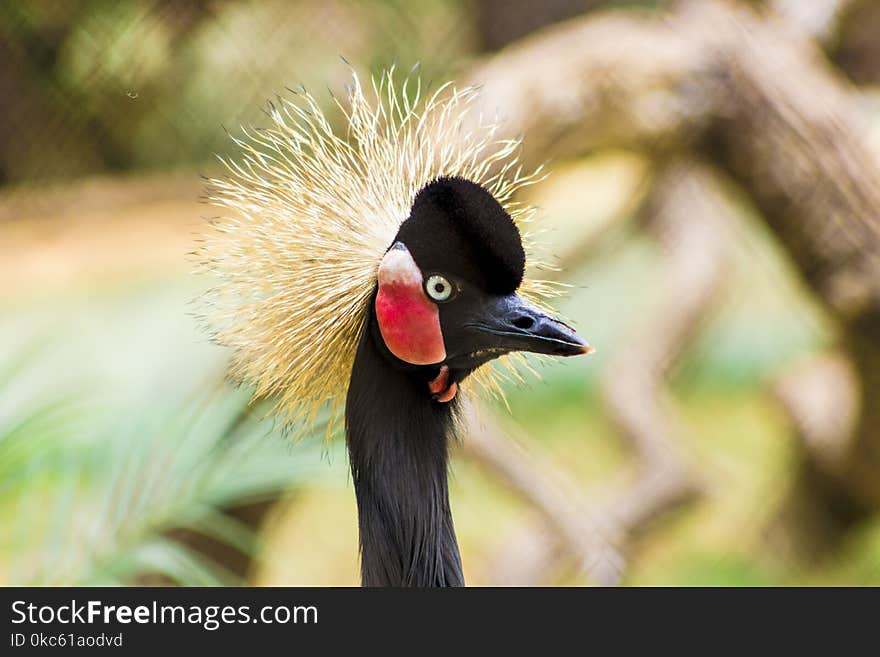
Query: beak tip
x,y
580,348
538,333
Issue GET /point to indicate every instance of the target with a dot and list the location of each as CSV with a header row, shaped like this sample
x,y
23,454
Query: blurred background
x,y
714,202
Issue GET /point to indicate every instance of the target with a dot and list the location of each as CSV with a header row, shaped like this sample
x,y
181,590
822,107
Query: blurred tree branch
x,y
855,47
820,398
686,213
500,447
757,99
500,22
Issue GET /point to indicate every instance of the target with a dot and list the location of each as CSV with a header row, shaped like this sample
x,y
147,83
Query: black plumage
x,y
456,225
325,295
398,446
397,433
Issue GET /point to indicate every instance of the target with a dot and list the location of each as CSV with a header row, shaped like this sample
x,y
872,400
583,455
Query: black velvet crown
x,y
458,228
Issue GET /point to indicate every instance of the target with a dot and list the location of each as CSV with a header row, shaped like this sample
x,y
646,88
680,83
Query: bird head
x,y
446,295
402,223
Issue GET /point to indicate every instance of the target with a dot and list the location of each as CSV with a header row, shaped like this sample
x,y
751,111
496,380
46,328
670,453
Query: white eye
x,y
438,288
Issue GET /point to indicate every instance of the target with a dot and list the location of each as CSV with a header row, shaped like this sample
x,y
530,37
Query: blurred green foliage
x,y
88,85
114,433
96,506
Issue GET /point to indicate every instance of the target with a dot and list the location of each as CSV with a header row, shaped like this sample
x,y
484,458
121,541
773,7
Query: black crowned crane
x,y
379,270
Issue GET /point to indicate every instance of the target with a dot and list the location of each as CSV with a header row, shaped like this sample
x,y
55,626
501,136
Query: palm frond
x,y
101,509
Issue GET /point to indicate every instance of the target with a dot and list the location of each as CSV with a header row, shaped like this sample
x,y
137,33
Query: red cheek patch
x,y
408,320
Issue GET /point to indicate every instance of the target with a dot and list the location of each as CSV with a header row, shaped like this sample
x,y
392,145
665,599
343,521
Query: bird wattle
x,y
408,320
441,387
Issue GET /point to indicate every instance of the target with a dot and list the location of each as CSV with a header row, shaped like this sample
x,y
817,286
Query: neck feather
x,y
397,442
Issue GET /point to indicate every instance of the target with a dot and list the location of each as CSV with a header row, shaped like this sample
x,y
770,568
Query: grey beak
x,y
511,323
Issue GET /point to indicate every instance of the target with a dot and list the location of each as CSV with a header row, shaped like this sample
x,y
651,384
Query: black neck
x,y
397,442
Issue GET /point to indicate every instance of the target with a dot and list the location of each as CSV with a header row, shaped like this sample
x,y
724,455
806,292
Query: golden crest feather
x,y
308,214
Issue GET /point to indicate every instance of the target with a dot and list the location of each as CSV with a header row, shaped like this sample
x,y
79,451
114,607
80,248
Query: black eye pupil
x,y
439,287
